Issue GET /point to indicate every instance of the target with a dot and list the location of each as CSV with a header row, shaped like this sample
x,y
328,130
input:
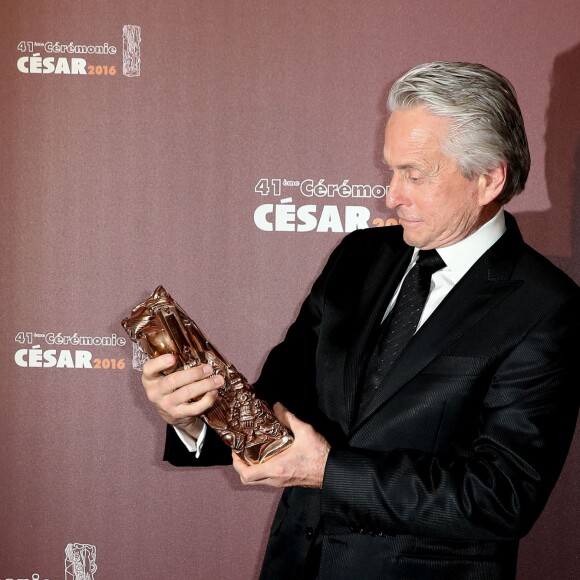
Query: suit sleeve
x,y
492,488
289,372
280,380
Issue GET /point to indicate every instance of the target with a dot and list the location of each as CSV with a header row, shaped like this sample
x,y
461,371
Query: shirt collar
x,y
459,257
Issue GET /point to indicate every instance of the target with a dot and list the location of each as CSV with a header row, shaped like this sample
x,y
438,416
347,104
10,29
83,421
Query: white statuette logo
x,y
131,50
80,562
139,357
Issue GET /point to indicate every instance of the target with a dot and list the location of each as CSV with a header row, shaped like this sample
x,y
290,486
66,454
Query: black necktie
x,y
401,323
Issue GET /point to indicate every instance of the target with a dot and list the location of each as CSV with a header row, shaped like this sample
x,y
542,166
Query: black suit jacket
x,y
455,457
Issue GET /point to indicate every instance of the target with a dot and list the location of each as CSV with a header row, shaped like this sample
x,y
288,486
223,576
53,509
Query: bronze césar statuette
x,y
244,422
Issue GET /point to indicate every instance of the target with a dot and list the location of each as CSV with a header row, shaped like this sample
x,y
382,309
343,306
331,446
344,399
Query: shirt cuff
x,y
192,445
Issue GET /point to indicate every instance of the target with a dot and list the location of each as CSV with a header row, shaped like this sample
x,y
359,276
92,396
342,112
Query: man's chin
x,y
413,237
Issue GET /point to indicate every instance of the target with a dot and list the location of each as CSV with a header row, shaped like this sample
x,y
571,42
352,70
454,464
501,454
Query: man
x,y
431,456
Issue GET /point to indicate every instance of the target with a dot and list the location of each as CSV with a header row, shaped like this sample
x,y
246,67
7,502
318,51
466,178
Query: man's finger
x,y
195,391
249,474
288,419
154,366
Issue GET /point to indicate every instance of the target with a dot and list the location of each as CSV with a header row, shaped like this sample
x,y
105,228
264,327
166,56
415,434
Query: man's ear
x,y
491,183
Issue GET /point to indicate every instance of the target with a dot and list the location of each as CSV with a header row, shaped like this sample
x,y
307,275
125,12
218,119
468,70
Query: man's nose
x,y
395,192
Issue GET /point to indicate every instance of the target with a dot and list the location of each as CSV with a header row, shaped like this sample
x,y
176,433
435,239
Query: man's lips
x,y
411,222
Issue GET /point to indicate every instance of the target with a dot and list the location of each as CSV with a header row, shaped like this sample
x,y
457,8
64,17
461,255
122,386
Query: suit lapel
x,y
379,286
484,286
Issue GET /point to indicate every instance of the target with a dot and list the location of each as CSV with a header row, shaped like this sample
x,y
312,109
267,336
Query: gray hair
x,y
487,127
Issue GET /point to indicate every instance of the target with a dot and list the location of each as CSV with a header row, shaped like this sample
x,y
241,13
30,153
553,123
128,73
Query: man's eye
x,y
414,176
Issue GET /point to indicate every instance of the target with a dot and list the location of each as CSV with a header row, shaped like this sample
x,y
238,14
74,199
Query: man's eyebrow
x,y
402,166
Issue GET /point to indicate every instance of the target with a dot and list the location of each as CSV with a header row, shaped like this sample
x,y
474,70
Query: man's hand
x,y
302,464
183,395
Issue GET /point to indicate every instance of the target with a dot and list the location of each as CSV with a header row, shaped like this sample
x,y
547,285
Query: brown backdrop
x,y
112,184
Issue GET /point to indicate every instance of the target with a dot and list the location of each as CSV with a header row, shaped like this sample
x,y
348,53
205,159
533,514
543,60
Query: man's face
x,y
436,205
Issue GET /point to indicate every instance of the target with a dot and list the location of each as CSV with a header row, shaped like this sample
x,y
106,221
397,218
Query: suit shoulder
x,y
365,245
547,277
360,250
391,236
